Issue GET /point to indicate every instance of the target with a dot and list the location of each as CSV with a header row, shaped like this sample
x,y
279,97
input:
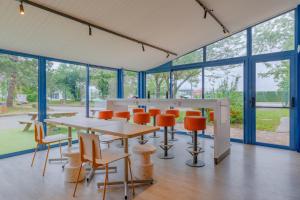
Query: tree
x,y
68,79
130,83
21,76
105,82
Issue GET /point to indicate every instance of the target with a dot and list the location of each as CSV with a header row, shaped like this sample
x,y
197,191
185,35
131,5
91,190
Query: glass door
x,y
272,102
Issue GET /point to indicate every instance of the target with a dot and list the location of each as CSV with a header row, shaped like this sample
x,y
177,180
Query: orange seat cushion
x,y
154,111
105,114
211,116
165,120
194,123
141,118
173,112
137,110
193,113
125,115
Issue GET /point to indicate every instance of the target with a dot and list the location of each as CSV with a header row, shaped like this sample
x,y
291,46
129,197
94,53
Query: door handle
x,y
293,102
252,102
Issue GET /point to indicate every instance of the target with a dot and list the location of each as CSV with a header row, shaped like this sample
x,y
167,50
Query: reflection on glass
x,y
158,85
227,82
193,57
18,97
130,84
274,35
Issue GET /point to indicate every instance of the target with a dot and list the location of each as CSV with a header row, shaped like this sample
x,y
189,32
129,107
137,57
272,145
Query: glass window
x,y
272,102
187,84
233,46
193,57
103,86
66,85
274,35
158,85
18,102
227,82
130,84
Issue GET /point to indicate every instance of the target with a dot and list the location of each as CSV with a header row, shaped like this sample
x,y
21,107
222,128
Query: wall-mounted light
x,y
22,12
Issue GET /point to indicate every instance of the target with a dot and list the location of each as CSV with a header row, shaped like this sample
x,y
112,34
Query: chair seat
x,y
109,138
109,156
55,138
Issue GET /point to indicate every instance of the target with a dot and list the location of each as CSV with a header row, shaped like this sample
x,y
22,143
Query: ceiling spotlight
x,y
143,47
168,55
205,13
90,30
22,12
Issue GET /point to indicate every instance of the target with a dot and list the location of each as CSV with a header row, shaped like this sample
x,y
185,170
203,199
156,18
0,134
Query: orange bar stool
x,y
165,120
174,112
195,124
124,115
192,113
141,118
137,110
153,113
105,114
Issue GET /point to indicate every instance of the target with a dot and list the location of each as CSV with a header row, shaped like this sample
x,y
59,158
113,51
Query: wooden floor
x,y
250,172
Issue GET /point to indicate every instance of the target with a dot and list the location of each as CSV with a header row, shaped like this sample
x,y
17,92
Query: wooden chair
x,y
91,152
41,139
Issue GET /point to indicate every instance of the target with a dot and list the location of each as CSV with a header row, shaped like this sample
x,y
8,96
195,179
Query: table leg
x,y
125,168
27,127
70,136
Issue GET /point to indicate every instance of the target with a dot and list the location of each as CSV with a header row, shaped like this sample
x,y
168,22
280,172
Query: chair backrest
x,y
39,132
90,149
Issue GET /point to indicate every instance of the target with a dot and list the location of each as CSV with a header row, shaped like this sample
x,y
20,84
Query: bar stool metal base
x,y
166,157
191,163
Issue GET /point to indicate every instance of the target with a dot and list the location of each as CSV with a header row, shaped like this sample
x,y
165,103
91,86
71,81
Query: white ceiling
x,y
176,25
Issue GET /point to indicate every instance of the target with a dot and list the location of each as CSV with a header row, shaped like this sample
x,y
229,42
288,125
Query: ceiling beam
x,y
45,8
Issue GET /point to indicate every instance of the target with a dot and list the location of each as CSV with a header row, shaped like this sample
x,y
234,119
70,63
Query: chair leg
x,y
105,181
46,160
36,148
131,176
77,180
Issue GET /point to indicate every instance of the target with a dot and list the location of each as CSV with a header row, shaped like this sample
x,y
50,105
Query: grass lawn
x,y
269,119
13,140
266,119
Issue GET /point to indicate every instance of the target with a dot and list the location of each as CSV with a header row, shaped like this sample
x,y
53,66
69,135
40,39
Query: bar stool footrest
x,y
166,147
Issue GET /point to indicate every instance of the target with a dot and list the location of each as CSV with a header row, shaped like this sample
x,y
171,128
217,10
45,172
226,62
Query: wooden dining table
x,y
34,115
116,128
